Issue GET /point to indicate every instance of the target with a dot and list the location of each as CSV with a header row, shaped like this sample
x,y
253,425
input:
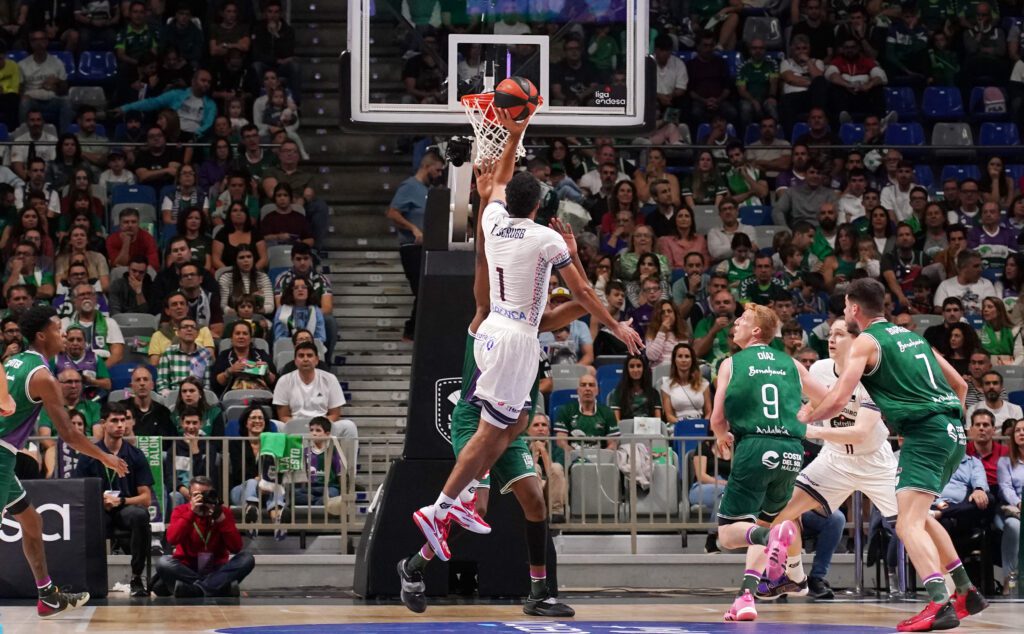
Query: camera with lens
x,y
210,505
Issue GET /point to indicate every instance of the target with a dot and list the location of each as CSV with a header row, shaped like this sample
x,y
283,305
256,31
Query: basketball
x,y
518,95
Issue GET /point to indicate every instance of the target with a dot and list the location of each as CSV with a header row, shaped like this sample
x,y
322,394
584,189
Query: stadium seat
x,y
1016,172
244,397
69,63
692,427
904,134
705,218
960,172
809,321
280,255
121,374
766,233
942,103
17,56
755,215
976,107
752,133
925,322
901,100
132,194
851,133
686,55
799,129
564,382
609,359
100,130
765,28
924,176
136,324
994,133
1017,398
5,135
732,60
97,67
567,370
560,398
954,134
594,483
704,129
1013,384
87,96
1011,370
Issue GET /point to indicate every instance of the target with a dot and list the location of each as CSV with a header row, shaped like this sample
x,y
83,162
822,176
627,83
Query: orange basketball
x,y
518,95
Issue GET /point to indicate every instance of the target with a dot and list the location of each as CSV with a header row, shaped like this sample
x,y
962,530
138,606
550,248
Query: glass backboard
x,y
409,61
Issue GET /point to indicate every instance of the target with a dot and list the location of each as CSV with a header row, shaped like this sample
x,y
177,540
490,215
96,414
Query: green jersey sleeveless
x,y
17,427
737,274
763,396
907,383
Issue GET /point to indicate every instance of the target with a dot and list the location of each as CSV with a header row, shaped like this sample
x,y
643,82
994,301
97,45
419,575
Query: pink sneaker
x,y
779,539
465,515
434,530
742,608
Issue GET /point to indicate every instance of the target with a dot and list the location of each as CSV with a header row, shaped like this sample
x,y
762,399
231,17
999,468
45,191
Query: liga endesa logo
x,y
10,529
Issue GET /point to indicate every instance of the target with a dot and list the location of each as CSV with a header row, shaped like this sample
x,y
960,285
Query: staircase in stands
x,y
358,176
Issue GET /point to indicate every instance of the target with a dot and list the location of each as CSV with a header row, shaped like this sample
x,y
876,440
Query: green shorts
x,y
764,470
11,490
932,451
514,464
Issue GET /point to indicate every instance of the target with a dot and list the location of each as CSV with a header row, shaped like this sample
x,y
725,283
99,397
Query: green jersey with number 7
x,y
907,383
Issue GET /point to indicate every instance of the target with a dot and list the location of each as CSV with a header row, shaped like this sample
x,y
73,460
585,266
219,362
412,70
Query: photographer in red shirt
x,y
204,535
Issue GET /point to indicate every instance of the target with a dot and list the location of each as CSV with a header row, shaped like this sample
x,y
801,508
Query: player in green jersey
x,y
922,397
754,418
513,469
33,387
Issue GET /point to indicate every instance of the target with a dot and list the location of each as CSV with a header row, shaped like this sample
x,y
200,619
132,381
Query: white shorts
x,y
507,358
833,477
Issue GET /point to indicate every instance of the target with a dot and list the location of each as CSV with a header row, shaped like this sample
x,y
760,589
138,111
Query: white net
x,y
491,136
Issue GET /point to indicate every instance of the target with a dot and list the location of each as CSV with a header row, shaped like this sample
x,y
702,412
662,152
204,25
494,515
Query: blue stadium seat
x,y
809,321
901,100
1016,172
704,129
97,67
905,134
923,176
732,60
133,194
100,129
993,133
756,216
851,133
121,374
752,133
992,275
559,398
1017,398
799,129
16,56
942,103
692,427
960,172
5,135
686,55
976,107
69,63
609,372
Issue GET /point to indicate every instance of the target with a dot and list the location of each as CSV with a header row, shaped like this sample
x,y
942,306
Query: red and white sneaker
x,y
968,603
434,530
779,539
934,616
465,515
742,608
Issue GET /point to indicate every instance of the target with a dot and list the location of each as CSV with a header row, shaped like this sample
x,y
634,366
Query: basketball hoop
x,y
491,136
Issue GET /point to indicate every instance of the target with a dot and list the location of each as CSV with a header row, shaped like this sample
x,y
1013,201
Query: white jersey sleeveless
x,y
520,256
825,372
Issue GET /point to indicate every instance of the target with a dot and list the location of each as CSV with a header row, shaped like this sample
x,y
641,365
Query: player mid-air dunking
x,y
514,468
32,387
922,397
520,256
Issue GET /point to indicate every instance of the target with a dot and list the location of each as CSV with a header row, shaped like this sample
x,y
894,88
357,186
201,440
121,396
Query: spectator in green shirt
x,y
757,83
585,417
135,39
635,395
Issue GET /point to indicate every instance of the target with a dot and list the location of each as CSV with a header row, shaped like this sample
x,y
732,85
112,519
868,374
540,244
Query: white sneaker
x,y
465,515
434,530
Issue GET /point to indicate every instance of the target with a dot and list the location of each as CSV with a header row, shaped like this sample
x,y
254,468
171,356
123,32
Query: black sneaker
x,y
138,589
547,605
413,589
767,591
711,544
54,602
819,590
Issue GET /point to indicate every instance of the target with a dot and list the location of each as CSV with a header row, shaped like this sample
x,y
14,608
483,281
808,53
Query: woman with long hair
x,y
76,248
640,244
600,274
685,393
839,269
1012,282
234,367
995,185
194,227
958,346
683,241
79,217
996,333
1010,476
191,393
935,223
881,230
215,168
296,311
60,171
13,233
648,265
81,201
1015,214
82,180
635,395
666,330
653,170
623,198
247,477
706,186
239,229
179,198
244,279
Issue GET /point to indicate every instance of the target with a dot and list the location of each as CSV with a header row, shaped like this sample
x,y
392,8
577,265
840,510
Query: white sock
x,y
442,505
469,492
795,568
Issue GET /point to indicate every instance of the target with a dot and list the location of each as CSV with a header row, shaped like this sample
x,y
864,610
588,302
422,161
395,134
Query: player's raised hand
x,y
485,178
510,124
111,461
565,231
625,333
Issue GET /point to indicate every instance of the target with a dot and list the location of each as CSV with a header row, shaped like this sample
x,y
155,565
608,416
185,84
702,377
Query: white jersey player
x,y
856,456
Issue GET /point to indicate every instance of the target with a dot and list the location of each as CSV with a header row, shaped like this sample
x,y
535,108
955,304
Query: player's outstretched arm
x,y
863,426
956,381
581,290
719,425
44,388
562,316
832,404
481,281
565,231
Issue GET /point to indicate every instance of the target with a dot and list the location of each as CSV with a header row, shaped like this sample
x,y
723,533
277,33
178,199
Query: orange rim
x,y
480,102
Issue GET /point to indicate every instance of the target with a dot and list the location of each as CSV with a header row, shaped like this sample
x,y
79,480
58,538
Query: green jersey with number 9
x,y
763,395
907,383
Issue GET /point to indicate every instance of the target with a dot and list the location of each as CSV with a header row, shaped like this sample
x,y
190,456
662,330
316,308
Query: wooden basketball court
x,y
622,615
